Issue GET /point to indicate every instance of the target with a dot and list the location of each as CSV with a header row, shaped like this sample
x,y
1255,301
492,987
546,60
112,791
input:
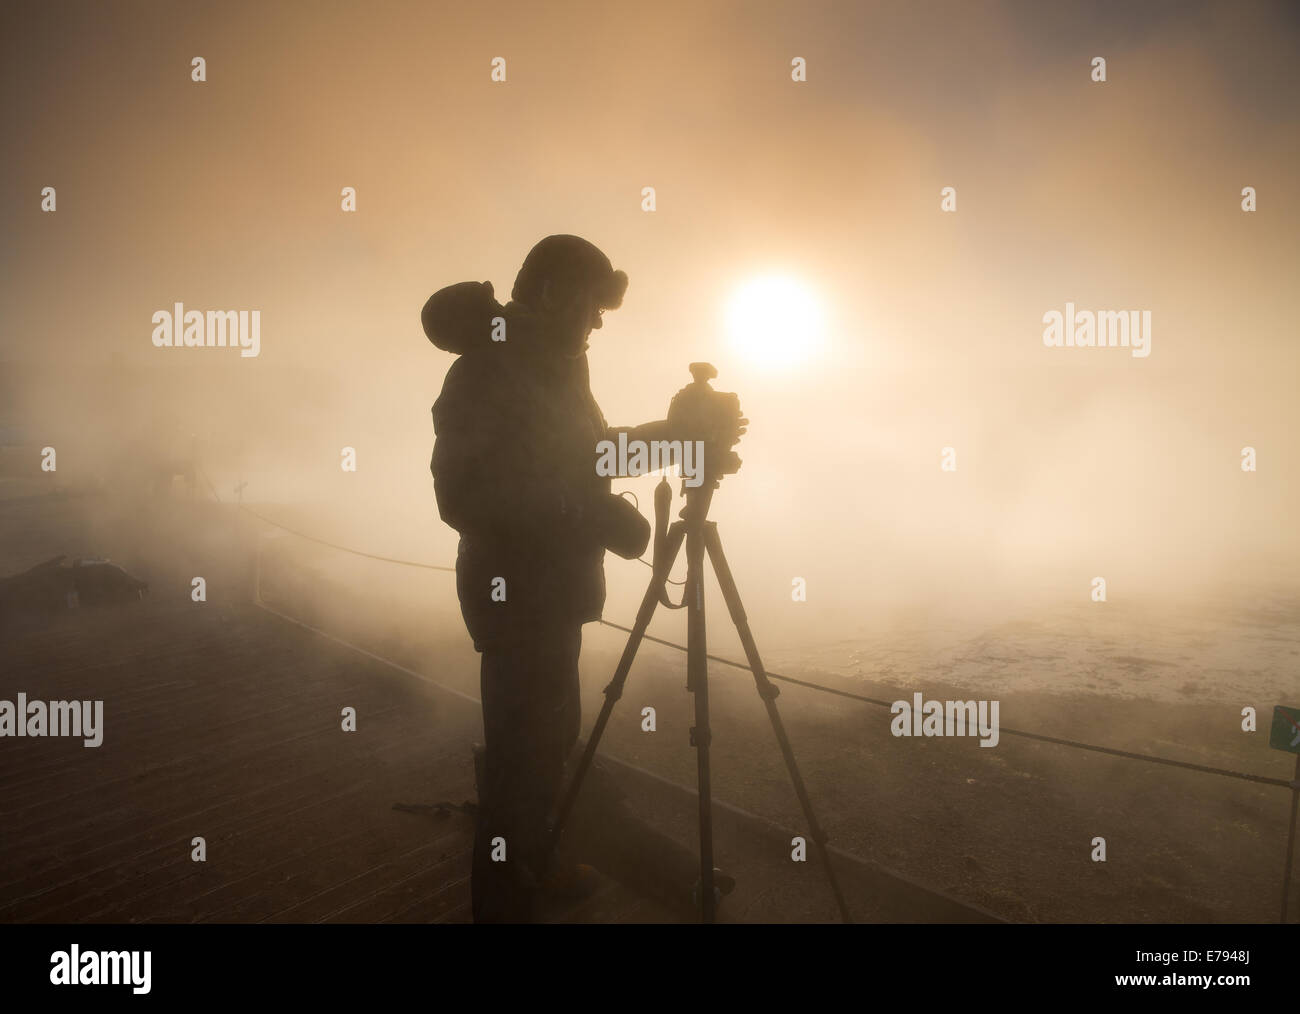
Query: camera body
x,y
698,412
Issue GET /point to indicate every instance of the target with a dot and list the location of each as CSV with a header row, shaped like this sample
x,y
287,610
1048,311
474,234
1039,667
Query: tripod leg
x,y
697,681
614,690
768,692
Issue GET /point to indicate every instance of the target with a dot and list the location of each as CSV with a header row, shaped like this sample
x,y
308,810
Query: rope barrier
x,y
1055,740
345,549
357,552
1263,779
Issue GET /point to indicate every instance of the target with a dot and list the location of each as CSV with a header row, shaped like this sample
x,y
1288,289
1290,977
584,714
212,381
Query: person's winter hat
x,y
569,262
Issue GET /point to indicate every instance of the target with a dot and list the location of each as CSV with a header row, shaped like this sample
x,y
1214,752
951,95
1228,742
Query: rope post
x,y
1290,838
261,541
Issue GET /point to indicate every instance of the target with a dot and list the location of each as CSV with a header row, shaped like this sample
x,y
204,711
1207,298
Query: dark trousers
x,y
532,715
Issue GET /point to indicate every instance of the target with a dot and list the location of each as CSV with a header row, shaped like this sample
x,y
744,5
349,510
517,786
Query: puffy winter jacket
x,y
516,428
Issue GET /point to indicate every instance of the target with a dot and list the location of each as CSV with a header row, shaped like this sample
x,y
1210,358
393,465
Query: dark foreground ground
x,y
222,721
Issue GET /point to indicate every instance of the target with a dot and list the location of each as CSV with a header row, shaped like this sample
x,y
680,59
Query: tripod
x,y
701,537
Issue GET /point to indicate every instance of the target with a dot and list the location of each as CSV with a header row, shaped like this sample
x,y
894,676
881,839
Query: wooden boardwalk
x,y
226,725
223,721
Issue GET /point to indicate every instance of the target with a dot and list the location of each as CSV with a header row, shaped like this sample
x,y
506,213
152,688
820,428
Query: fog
x,y
1071,463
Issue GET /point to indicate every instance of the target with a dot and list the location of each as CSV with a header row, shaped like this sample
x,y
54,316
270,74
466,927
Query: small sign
x,y
1285,733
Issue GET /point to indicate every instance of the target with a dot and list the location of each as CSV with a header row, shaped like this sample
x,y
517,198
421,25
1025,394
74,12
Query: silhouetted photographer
x,y
514,472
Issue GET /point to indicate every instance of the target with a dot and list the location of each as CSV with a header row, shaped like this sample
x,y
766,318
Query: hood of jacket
x,y
458,319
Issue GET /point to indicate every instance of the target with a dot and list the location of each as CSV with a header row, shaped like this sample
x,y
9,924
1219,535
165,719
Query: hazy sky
x,y
1119,195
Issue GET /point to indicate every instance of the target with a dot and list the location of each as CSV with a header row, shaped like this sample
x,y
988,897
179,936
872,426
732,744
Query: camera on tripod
x,y
698,412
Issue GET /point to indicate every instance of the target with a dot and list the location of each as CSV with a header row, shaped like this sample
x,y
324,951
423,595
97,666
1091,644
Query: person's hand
x,y
729,430
728,433
741,425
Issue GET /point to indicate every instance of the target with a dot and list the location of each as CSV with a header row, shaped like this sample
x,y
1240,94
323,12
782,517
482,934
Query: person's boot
x,y
723,885
570,882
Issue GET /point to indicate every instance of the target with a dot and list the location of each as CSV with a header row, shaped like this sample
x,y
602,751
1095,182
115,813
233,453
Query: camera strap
x,y
663,503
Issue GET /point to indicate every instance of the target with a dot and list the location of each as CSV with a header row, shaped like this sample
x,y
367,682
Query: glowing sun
x,y
774,321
